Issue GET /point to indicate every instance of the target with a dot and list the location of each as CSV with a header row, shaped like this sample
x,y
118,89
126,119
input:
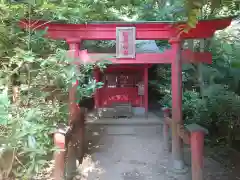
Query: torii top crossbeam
x,y
144,30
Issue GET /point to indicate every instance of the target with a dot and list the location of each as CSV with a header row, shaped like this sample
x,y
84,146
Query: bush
x,y
218,108
28,123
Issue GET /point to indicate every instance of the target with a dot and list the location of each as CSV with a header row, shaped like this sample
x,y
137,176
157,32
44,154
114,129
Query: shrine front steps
x,y
151,119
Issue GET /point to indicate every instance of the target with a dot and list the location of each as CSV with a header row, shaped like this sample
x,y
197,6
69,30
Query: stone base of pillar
x,y
178,167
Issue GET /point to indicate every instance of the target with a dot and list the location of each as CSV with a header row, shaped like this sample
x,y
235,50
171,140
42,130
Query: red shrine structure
x,y
126,80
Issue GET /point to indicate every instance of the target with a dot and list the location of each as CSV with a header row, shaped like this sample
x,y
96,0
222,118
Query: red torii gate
x,y
73,34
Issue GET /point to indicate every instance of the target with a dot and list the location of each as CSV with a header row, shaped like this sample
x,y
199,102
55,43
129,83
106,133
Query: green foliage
x,y
28,125
202,9
35,63
27,132
217,105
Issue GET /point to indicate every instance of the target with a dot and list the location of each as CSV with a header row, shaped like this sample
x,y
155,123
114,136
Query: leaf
x,y
235,64
31,142
228,48
192,18
31,114
4,100
44,63
3,119
31,168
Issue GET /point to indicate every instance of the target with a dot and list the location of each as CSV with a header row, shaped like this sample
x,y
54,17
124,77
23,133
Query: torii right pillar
x,y
177,143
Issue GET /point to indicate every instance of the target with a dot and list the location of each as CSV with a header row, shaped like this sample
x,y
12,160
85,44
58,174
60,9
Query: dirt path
x,y
126,152
131,149
134,152
131,152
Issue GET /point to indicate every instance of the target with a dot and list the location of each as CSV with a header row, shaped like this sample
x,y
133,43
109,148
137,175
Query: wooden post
x,y
177,143
146,90
166,113
59,156
77,135
197,147
74,46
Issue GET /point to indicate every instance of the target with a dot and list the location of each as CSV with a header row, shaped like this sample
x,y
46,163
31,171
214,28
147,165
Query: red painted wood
x,y
59,156
59,140
144,31
152,58
147,58
177,143
119,95
196,57
122,78
166,112
177,84
59,162
120,85
126,68
73,107
197,144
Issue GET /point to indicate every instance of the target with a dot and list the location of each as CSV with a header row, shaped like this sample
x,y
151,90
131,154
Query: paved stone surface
x,y
126,153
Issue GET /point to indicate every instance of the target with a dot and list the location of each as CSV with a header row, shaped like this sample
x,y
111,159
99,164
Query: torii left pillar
x,y
76,117
76,143
74,46
177,143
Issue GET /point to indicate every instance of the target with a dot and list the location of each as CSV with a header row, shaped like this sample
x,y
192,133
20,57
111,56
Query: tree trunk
x,y
75,149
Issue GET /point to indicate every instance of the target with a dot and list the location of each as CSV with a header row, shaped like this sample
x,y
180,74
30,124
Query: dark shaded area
x,y
87,102
153,94
93,133
228,158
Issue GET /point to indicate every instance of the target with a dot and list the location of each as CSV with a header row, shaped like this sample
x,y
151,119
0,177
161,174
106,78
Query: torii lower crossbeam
x,y
166,57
